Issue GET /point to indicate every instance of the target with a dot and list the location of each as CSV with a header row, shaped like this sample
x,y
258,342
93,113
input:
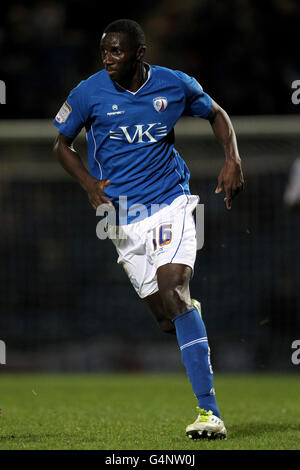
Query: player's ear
x,y
141,50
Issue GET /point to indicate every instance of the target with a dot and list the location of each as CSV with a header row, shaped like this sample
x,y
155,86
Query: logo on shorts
x,y
160,103
134,282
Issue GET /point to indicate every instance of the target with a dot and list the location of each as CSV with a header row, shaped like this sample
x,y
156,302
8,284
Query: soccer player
x,y
129,109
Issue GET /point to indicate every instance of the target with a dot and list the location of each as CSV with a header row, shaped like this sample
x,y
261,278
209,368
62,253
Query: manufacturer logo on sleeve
x,y
160,103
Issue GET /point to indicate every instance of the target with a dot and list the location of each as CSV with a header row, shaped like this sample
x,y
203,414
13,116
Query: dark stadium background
x,y
65,305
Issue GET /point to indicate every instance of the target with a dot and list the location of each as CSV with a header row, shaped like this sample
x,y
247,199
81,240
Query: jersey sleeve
x,y
73,114
198,103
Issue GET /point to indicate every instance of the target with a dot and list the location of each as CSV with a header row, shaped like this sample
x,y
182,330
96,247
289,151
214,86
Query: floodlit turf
x,y
133,412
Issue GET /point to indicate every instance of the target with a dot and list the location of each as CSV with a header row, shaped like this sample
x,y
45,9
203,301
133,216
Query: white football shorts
x,y
168,236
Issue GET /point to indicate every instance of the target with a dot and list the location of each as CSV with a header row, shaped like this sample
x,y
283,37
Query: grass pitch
x,y
135,412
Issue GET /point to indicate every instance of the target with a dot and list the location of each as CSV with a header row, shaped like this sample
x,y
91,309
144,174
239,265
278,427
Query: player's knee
x,y
173,283
176,300
167,326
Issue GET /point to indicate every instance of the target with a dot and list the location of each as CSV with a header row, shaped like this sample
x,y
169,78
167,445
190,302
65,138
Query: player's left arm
x,y
231,178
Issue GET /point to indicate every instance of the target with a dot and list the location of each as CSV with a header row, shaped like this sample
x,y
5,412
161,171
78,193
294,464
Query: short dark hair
x,y
129,27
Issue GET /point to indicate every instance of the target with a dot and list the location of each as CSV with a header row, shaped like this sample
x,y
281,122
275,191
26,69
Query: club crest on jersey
x,y
160,103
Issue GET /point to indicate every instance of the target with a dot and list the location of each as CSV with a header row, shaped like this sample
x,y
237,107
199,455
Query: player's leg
x,y
173,283
174,299
155,304
157,309
172,249
165,286
174,289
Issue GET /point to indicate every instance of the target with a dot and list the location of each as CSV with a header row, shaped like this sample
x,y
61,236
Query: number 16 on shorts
x,y
162,235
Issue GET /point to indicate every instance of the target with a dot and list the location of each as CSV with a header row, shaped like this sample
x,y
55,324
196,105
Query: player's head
x,y
122,47
131,28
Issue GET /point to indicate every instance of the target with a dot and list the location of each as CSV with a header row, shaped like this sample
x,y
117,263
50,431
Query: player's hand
x,y
231,180
96,194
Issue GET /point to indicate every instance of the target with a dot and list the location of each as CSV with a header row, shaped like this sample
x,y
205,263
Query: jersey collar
x,y
149,72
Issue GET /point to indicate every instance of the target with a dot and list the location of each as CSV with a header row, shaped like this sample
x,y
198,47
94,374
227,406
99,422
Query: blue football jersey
x,y
130,135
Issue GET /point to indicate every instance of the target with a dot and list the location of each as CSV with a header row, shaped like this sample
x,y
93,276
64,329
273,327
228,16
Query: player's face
x,y
119,57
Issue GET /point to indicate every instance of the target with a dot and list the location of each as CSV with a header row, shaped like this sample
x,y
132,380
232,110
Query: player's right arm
x,y
72,163
70,119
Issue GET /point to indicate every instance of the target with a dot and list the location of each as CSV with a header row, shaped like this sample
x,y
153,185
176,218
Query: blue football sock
x,y
195,355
